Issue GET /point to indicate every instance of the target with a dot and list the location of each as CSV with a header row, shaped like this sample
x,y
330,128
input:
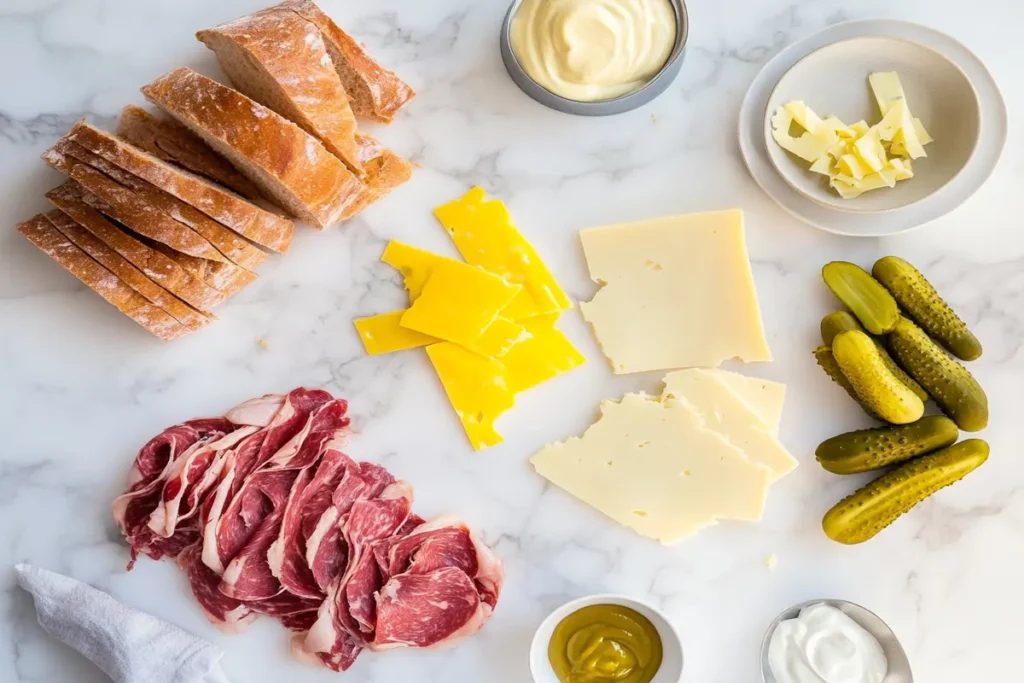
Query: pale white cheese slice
x,y
653,467
723,411
765,397
676,292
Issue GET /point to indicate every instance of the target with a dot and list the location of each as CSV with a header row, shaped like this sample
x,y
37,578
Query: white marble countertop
x,y
81,388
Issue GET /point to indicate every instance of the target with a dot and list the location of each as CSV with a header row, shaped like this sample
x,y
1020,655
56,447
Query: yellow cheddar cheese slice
x,y
458,302
499,338
414,264
476,387
383,334
484,234
545,354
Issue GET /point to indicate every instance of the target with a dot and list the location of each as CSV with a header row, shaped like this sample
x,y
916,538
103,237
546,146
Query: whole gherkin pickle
x,y
876,386
840,321
864,295
872,449
870,509
948,382
922,304
827,362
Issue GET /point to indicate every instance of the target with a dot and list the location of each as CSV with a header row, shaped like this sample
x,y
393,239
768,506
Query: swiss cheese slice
x,y
677,292
544,354
484,234
476,387
765,397
458,302
652,466
724,412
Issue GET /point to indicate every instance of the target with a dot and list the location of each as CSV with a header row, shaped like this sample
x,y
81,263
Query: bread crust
x,y
40,232
258,225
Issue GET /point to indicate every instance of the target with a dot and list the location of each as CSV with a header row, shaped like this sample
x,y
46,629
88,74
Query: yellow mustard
x,y
605,644
591,50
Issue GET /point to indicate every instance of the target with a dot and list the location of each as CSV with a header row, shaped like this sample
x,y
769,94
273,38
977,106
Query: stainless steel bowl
x,y
637,98
899,665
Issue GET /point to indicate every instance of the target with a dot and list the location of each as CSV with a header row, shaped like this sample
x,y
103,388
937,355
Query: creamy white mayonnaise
x,y
823,645
589,50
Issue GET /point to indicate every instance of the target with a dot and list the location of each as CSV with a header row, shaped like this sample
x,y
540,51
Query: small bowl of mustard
x,y
606,637
594,58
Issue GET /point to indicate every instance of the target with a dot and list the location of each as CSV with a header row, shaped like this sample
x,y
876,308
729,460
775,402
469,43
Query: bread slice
x,y
262,227
40,232
375,92
171,141
70,199
287,163
230,244
125,203
228,278
278,58
385,170
191,318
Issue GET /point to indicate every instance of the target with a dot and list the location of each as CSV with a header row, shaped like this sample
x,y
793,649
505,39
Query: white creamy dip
x,y
824,645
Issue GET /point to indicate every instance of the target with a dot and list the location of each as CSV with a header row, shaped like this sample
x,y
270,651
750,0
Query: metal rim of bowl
x,y
632,100
834,602
851,209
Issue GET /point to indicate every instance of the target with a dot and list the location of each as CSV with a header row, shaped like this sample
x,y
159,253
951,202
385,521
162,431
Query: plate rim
x,y
990,146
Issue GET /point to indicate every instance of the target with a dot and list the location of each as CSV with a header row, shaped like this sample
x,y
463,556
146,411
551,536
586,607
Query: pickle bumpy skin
x,y
876,386
872,449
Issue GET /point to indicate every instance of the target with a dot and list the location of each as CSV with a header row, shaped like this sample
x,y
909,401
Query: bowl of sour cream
x,y
597,57
832,641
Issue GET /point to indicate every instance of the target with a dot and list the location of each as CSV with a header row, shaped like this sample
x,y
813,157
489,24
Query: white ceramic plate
x,y
979,167
834,80
671,669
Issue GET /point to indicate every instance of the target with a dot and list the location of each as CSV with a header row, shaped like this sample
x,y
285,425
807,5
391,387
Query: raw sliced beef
x,y
265,514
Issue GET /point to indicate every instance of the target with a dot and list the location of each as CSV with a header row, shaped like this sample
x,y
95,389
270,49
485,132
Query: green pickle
x,y
922,304
838,322
870,301
948,382
827,362
877,387
605,644
872,508
873,449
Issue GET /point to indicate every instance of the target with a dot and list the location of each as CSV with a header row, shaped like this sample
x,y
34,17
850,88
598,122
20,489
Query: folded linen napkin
x,y
128,645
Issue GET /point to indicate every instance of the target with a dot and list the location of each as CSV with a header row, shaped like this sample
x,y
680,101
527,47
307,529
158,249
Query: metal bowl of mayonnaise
x,y
594,58
832,640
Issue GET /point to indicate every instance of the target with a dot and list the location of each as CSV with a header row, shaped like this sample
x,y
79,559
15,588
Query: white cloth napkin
x,y
128,645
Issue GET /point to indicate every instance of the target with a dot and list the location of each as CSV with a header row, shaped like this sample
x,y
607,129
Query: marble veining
x,y
81,388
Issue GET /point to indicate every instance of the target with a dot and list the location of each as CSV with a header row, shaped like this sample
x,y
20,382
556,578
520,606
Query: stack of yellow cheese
x,y
488,324
705,450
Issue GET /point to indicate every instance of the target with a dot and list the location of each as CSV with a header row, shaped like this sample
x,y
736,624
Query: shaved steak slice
x,y
431,609
266,514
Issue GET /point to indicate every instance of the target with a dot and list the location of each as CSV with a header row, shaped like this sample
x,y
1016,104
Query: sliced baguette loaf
x,y
191,318
41,233
278,58
374,92
70,199
235,248
287,163
121,204
262,227
132,210
171,141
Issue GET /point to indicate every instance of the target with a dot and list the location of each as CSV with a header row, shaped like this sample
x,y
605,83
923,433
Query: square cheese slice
x,y
676,292
724,412
458,302
477,390
653,467
484,234
544,354
383,334
765,397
